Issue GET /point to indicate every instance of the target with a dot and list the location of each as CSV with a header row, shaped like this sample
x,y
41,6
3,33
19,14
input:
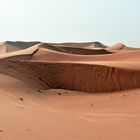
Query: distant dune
x,y
91,67
81,45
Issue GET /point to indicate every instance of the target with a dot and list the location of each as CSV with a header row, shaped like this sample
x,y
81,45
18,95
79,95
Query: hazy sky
x,y
107,21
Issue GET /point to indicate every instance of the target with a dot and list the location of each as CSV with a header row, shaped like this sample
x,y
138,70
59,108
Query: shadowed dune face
x,y
82,77
81,45
44,53
74,50
64,66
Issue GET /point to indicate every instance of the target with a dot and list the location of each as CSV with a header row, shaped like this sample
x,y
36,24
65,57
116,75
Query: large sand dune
x,y
64,66
44,91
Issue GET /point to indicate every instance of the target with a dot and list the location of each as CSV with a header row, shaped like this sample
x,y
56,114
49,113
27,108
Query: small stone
x,y
59,93
21,98
0,130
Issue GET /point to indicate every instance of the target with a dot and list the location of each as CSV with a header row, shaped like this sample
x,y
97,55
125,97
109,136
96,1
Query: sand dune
x,y
15,46
119,47
46,66
53,55
81,45
44,92
74,50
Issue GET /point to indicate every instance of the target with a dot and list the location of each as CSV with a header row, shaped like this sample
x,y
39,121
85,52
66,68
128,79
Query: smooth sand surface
x,y
27,113
69,91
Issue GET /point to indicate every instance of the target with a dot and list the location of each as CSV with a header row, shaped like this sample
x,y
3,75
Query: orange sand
x,y
63,66
109,112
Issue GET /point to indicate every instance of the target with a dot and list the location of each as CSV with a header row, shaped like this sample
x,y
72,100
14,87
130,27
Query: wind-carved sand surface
x,y
89,67
72,91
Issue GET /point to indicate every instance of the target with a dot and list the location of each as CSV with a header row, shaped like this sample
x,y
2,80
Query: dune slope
x,y
41,98
46,66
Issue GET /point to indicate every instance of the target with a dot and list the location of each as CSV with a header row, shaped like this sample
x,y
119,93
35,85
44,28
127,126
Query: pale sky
x,y
107,21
